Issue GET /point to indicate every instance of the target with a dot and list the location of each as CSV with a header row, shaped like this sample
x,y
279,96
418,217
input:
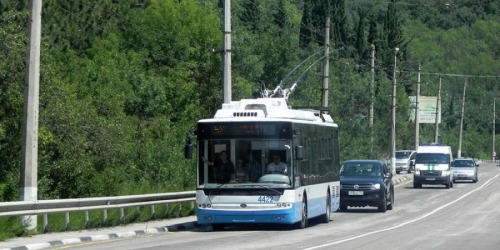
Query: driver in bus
x,y
277,166
224,168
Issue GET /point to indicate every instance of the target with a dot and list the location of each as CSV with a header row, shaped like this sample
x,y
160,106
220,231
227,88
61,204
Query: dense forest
x,y
121,82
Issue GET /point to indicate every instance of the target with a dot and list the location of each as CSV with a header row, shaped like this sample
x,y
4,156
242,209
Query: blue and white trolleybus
x,y
251,134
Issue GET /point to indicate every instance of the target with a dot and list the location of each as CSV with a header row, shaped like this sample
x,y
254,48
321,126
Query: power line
x,y
455,75
444,5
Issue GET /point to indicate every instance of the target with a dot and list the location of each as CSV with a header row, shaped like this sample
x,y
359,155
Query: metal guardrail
x,y
44,207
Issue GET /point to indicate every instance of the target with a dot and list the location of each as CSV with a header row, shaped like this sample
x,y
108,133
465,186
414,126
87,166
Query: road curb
x,y
403,179
166,229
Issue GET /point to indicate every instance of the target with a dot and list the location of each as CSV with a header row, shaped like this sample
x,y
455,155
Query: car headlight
x,y
445,173
376,186
417,172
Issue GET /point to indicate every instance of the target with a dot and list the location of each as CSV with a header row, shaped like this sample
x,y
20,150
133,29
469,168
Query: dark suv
x,y
366,183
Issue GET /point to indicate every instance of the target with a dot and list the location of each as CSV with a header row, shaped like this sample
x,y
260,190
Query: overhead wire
x,y
266,92
445,5
364,60
449,74
79,18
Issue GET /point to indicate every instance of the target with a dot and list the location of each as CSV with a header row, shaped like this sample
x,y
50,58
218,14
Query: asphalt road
x,y
464,217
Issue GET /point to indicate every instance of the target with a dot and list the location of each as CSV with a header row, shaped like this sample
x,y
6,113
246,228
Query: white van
x,y
405,160
433,165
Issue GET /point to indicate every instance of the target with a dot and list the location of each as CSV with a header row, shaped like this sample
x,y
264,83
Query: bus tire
x,y
303,220
325,218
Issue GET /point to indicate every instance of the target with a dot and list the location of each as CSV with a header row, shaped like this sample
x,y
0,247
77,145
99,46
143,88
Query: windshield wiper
x,y
220,185
259,185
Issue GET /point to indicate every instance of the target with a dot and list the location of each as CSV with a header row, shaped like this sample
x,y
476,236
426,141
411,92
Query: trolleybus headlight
x,y
209,206
203,205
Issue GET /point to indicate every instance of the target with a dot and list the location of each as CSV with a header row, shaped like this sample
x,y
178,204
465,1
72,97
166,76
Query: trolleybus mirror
x,y
299,153
188,148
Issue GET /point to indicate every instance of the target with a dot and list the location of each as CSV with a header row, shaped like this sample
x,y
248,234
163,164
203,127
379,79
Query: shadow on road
x,y
260,227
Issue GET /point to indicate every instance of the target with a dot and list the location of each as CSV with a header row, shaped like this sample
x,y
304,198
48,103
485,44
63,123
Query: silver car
x,y
465,169
405,160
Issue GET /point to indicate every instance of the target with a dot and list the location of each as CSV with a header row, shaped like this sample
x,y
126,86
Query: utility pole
x,y
493,153
417,110
393,128
29,171
461,122
438,112
227,51
372,97
324,99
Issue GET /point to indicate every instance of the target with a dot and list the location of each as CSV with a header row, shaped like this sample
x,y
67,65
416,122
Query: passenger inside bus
x,y
224,168
241,173
277,166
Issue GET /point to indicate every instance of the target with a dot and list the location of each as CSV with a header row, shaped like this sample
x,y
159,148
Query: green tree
x,y
306,25
360,44
12,53
340,27
319,13
250,15
280,17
